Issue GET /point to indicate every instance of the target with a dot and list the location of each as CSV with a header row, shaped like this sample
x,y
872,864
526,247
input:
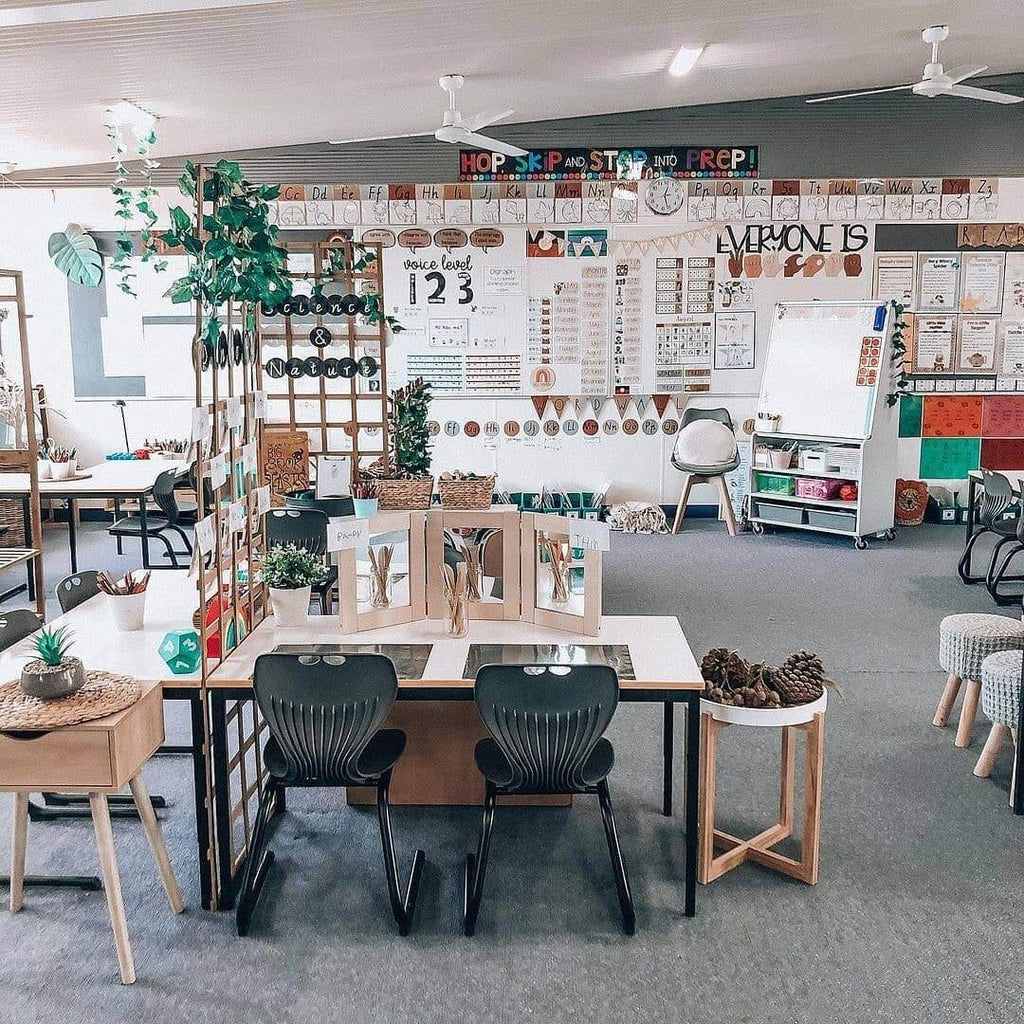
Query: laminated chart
x,y
627,324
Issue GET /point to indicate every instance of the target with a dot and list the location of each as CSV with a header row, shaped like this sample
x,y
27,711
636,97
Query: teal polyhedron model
x,y
180,649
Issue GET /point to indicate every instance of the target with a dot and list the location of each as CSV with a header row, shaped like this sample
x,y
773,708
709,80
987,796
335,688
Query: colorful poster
x,y
734,340
894,277
627,324
594,305
938,275
976,352
682,347
545,244
1013,348
1013,286
935,339
981,282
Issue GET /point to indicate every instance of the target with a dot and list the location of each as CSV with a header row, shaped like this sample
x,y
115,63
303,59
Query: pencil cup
x,y
128,610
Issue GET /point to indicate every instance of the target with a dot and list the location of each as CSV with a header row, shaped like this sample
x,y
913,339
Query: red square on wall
x,y
952,416
1004,416
1002,452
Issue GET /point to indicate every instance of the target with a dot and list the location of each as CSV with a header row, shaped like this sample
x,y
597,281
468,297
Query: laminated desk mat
x,y
614,655
410,659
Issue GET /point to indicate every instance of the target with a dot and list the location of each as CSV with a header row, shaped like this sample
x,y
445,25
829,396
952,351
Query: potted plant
x,y
53,674
407,482
290,572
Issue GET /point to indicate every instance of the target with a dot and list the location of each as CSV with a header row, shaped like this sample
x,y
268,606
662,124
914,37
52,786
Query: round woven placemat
x,y
104,693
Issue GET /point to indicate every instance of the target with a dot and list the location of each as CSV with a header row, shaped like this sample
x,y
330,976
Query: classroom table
x,y
117,479
663,665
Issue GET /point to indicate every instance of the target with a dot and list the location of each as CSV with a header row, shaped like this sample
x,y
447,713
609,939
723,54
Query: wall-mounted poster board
x,y
825,364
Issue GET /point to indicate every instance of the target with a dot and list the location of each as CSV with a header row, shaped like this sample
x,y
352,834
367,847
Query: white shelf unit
x,y
815,350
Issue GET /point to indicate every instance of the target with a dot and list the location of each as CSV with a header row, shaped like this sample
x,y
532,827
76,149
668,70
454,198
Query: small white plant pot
x,y
291,607
43,469
73,463
128,611
60,470
766,426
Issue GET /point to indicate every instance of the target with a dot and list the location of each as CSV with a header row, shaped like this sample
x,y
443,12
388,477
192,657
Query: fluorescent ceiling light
x,y
684,60
57,11
126,114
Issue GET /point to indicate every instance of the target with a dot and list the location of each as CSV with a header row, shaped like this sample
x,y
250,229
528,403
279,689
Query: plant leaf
x,y
75,255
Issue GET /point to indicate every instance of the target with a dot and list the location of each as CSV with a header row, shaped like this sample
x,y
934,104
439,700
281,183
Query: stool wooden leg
x,y
726,503
967,713
683,499
989,753
786,779
706,827
814,770
19,840
1013,775
156,843
947,700
112,883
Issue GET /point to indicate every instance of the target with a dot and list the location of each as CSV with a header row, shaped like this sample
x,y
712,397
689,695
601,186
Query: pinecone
x,y
801,679
714,665
763,674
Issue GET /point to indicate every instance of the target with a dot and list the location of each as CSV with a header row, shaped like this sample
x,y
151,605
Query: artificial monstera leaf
x,y
75,255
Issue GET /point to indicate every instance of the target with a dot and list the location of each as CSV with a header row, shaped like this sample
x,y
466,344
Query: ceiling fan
x,y
936,81
456,129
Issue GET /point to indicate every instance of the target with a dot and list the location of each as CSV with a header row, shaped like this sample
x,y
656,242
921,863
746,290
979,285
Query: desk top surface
x,y
660,655
118,476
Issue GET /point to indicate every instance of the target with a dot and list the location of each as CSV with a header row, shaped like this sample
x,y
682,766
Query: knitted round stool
x,y
1000,700
965,641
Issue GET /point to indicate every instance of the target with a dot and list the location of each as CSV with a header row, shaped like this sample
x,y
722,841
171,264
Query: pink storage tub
x,y
815,487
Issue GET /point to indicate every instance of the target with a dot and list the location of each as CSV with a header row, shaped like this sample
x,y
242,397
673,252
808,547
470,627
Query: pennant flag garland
x,y
540,403
597,404
559,402
680,400
622,403
642,401
660,403
706,232
578,405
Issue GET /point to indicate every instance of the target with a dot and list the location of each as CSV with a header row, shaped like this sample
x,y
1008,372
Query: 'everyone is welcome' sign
x,y
610,164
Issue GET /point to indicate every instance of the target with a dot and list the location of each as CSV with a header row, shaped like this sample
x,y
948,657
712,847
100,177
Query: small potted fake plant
x,y
290,572
53,673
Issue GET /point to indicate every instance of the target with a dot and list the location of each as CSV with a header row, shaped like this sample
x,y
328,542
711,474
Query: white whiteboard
x,y
811,371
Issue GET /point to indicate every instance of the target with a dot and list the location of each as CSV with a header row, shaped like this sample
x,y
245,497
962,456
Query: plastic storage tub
x,y
815,487
789,515
772,483
828,519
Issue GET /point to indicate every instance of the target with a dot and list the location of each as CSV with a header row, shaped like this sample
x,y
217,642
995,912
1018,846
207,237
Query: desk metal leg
x,y
117,518
30,565
143,529
667,740
199,783
692,779
72,535
972,494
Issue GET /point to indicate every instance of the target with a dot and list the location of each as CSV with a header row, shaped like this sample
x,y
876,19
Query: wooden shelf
x,y
796,499
852,477
10,557
805,526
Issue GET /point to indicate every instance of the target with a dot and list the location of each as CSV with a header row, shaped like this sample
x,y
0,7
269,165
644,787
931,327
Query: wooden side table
x,y
97,758
806,718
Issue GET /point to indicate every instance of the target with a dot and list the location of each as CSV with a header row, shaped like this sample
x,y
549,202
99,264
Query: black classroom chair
x,y
324,713
17,624
547,725
996,497
158,524
77,588
305,528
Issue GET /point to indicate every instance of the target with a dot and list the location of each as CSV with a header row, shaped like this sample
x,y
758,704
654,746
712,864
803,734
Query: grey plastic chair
x,y
706,474
305,528
547,725
77,588
324,713
17,624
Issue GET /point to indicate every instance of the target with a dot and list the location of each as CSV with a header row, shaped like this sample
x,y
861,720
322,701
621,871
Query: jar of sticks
x,y
559,558
381,580
456,587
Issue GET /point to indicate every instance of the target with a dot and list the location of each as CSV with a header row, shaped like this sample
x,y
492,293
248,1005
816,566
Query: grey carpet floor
x,y
916,917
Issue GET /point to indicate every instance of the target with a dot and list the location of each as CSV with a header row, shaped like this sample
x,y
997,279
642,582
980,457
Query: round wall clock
x,y
664,196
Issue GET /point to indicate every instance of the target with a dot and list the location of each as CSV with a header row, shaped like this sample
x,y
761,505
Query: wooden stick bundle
x,y
474,572
560,556
456,583
380,575
124,587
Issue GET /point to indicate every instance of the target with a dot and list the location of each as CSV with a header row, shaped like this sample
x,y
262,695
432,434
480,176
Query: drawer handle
x,y
25,734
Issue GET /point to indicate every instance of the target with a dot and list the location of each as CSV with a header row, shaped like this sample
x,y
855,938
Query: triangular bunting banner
x,y
660,403
578,405
597,404
540,403
622,403
559,402
681,400
642,401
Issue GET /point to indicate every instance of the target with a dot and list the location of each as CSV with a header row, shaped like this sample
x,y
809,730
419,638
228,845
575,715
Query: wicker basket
x,y
474,494
393,495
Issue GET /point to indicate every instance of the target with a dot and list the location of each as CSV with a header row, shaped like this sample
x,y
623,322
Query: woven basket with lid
x,y
471,494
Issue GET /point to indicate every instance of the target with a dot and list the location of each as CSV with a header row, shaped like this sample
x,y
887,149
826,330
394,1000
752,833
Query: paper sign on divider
x,y
234,412
589,534
263,500
259,405
201,424
218,471
344,533
206,535
249,457
333,476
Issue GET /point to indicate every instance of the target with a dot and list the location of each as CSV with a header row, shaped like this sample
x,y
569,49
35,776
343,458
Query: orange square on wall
x,y
952,416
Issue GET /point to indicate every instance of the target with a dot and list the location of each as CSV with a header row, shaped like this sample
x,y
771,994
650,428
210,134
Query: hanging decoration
x,y
75,255
706,232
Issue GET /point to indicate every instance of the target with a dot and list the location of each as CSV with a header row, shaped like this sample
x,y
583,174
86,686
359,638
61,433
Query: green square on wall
x,y
949,458
911,411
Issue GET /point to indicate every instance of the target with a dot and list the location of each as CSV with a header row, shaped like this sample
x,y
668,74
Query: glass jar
x,y
456,620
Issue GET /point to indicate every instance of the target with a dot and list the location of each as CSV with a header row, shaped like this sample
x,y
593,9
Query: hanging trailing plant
x,y
131,203
236,256
900,377
365,257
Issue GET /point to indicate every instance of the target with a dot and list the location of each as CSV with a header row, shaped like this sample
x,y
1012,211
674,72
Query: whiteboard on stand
x,y
818,375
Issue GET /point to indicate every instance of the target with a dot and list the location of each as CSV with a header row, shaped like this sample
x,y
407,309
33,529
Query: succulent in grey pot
x,y
54,674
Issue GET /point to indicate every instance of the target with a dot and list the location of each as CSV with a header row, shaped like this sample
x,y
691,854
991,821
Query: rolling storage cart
x,y
823,401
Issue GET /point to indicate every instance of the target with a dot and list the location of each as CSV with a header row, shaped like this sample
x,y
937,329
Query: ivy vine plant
x,y
236,257
364,257
900,377
131,203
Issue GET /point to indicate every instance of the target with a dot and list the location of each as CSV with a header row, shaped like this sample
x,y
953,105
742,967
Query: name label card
x,y
344,533
589,535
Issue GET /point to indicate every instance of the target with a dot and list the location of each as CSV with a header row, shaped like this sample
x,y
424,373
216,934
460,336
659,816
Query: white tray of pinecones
x,y
759,694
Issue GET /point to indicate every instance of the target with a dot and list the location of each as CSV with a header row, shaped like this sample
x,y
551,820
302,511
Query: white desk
x,y
130,479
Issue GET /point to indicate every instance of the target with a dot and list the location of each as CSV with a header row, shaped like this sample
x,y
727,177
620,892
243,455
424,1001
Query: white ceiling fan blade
x,y
866,92
377,138
966,71
970,93
476,141
475,122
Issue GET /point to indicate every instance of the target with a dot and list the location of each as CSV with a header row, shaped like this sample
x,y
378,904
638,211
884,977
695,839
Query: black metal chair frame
x,y
76,589
163,496
305,528
997,496
335,768
476,864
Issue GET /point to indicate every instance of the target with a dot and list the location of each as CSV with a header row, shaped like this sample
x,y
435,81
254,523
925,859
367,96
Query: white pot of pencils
x,y
127,600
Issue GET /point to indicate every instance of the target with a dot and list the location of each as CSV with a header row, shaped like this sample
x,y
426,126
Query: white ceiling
x,y
229,74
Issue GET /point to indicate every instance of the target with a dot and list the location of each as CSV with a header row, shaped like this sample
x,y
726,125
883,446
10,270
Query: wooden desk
x,y
98,758
118,479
